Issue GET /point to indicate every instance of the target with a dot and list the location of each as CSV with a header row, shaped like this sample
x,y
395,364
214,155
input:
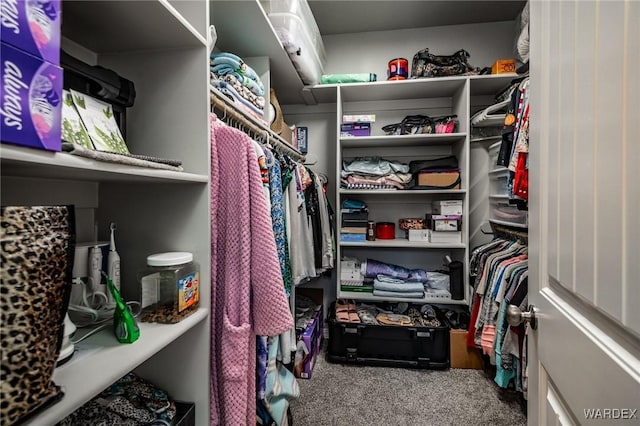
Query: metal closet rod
x,y
275,140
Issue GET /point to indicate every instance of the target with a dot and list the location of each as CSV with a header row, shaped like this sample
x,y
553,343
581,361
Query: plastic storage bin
x,y
301,9
169,287
399,346
507,213
499,182
299,34
494,150
305,58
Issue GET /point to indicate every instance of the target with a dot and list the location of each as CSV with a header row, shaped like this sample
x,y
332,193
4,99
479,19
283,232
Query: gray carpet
x,y
347,395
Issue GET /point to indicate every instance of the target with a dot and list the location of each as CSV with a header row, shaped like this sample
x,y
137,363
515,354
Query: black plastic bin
x,y
393,346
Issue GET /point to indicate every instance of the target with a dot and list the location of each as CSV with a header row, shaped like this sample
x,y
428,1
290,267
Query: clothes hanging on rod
x,y
247,291
500,277
258,129
300,216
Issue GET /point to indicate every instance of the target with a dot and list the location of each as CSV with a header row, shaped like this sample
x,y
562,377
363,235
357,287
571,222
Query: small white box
x,y
419,235
447,207
353,264
446,237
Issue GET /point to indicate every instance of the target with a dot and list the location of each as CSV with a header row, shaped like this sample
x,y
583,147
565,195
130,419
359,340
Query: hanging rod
x,y
509,232
275,140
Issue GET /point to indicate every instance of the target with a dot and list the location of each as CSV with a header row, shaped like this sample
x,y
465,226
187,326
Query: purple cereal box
x,y
30,100
33,26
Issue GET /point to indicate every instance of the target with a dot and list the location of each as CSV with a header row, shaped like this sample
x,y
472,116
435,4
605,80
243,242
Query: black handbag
x,y
426,64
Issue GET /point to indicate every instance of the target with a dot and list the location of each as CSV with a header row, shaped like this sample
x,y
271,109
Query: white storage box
x,y
499,183
447,207
504,212
419,235
299,34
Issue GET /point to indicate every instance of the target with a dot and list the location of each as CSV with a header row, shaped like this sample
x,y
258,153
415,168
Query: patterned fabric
x,y
278,219
247,292
282,386
262,355
130,401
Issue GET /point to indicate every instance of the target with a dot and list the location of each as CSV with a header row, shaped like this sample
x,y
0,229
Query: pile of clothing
x,y
395,281
238,81
374,173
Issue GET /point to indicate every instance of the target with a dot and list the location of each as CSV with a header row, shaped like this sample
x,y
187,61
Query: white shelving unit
x,y
161,46
391,101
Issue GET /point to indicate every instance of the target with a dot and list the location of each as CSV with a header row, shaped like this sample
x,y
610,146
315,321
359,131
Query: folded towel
x,y
412,295
228,63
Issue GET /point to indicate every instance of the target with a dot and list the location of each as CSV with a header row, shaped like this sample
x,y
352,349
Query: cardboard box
x,y
355,129
503,66
461,356
359,118
353,238
309,341
31,100
302,139
447,207
33,27
444,222
445,180
445,237
418,235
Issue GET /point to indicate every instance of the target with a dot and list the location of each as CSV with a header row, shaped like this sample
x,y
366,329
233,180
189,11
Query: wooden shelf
x,y
100,360
29,162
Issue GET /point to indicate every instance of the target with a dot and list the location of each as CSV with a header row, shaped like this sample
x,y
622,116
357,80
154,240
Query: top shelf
x,y
244,29
479,85
115,26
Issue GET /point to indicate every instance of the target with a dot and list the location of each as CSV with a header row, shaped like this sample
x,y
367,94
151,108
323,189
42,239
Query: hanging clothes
x,y
500,271
247,292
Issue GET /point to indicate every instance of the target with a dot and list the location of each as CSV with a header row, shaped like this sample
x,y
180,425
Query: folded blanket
x,y
404,287
128,159
247,106
373,167
223,63
412,295
243,91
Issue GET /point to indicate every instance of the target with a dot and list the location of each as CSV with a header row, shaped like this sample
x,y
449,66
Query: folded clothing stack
x,y
374,173
238,81
385,286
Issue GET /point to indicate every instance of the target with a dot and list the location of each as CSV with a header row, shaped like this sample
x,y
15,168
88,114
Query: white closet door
x,y
584,357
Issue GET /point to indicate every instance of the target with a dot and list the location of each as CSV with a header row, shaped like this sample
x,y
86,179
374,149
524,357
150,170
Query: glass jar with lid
x,y
169,287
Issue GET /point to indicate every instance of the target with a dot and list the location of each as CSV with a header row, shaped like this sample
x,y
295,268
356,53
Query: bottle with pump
x,y
113,263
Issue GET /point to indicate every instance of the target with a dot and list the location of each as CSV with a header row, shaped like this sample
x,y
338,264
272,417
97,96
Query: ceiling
x,y
355,16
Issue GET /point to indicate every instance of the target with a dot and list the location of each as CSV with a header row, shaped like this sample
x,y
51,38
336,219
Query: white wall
x,y
370,52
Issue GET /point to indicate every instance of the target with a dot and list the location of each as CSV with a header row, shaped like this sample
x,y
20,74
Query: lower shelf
x,y
358,295
100,360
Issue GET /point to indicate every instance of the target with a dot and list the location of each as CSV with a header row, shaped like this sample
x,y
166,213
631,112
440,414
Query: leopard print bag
x,y
37,248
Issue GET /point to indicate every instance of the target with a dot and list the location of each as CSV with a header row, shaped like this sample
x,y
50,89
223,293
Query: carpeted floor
x,y
346,395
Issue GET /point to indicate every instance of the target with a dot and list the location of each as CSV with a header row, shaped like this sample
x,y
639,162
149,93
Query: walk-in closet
x,y
310,212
